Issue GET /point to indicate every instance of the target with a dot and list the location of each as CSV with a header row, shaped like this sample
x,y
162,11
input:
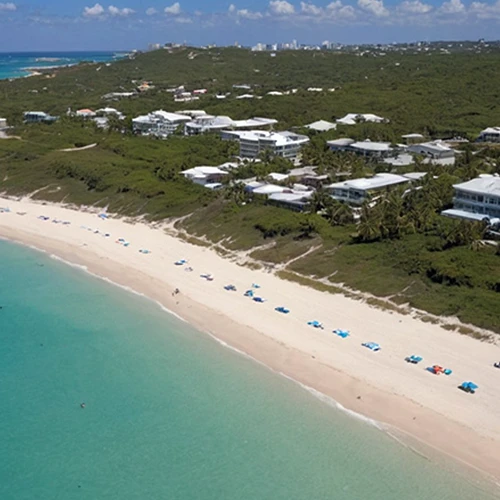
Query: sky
x,y
45,25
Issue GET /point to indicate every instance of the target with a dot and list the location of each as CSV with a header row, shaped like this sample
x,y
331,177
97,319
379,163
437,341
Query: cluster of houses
x,y
437,152
477,199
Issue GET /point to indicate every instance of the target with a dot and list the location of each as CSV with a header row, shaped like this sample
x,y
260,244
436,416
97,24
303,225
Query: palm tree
x,y
339,214
319,200
369,227
236,193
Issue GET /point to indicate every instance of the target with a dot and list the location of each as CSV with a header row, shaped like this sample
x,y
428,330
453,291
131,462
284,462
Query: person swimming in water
x,y
82,405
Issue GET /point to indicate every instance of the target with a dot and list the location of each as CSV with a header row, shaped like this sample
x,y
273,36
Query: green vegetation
x,y
401,249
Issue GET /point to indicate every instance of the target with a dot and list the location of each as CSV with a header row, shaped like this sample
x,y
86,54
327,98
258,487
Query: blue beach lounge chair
x,y
413,359
469,387
248,293
259,299
282,309
341,333
373,346
181,262
315,324
230,288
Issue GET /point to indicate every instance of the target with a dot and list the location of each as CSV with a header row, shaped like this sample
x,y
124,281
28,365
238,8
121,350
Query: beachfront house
x,y
490,134
355,118
435,152
210,177
158,123
39,117
3,123
208,123
367,148
477,199
252,143
298,201
356,191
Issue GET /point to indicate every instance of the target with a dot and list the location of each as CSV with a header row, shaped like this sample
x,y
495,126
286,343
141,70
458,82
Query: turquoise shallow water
x,y
15,64
170,414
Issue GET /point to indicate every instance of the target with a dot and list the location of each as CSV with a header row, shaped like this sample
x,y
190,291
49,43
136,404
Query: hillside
x,y
413,256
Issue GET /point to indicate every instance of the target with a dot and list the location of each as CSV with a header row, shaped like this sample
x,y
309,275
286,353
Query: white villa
x,y
356,191
354,118
110,112
477,199
252,143
205,176
490,134
158,123
436,151
208,123
3,123
363,148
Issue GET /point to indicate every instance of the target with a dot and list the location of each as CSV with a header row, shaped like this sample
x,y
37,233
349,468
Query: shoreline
x,y
314,359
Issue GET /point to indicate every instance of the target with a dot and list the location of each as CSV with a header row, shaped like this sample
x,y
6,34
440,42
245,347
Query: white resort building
x,y
366,148
158,123
477,199
356,191
490,134
252,143
208,123
436,151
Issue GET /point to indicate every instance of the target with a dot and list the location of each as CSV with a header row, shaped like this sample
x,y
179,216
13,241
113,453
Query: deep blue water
x,y
170,413
15,64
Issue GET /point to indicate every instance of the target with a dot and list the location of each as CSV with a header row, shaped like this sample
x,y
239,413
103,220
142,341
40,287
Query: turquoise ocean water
x,y
170,413
15,64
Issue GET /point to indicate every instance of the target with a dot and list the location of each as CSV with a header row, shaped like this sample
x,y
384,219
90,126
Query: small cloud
x,y
151,11
183,20
281,7
95,11
248,14
375,7
231,8
485,11
337,10
115,11
414,7
173,10
452,7
310,9
8,7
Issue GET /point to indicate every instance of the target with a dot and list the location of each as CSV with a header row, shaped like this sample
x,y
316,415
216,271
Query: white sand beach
x,y
379,385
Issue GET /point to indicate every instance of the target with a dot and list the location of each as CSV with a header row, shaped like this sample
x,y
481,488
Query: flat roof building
x,y
436,150
356,191
208,123
476,199
252,143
